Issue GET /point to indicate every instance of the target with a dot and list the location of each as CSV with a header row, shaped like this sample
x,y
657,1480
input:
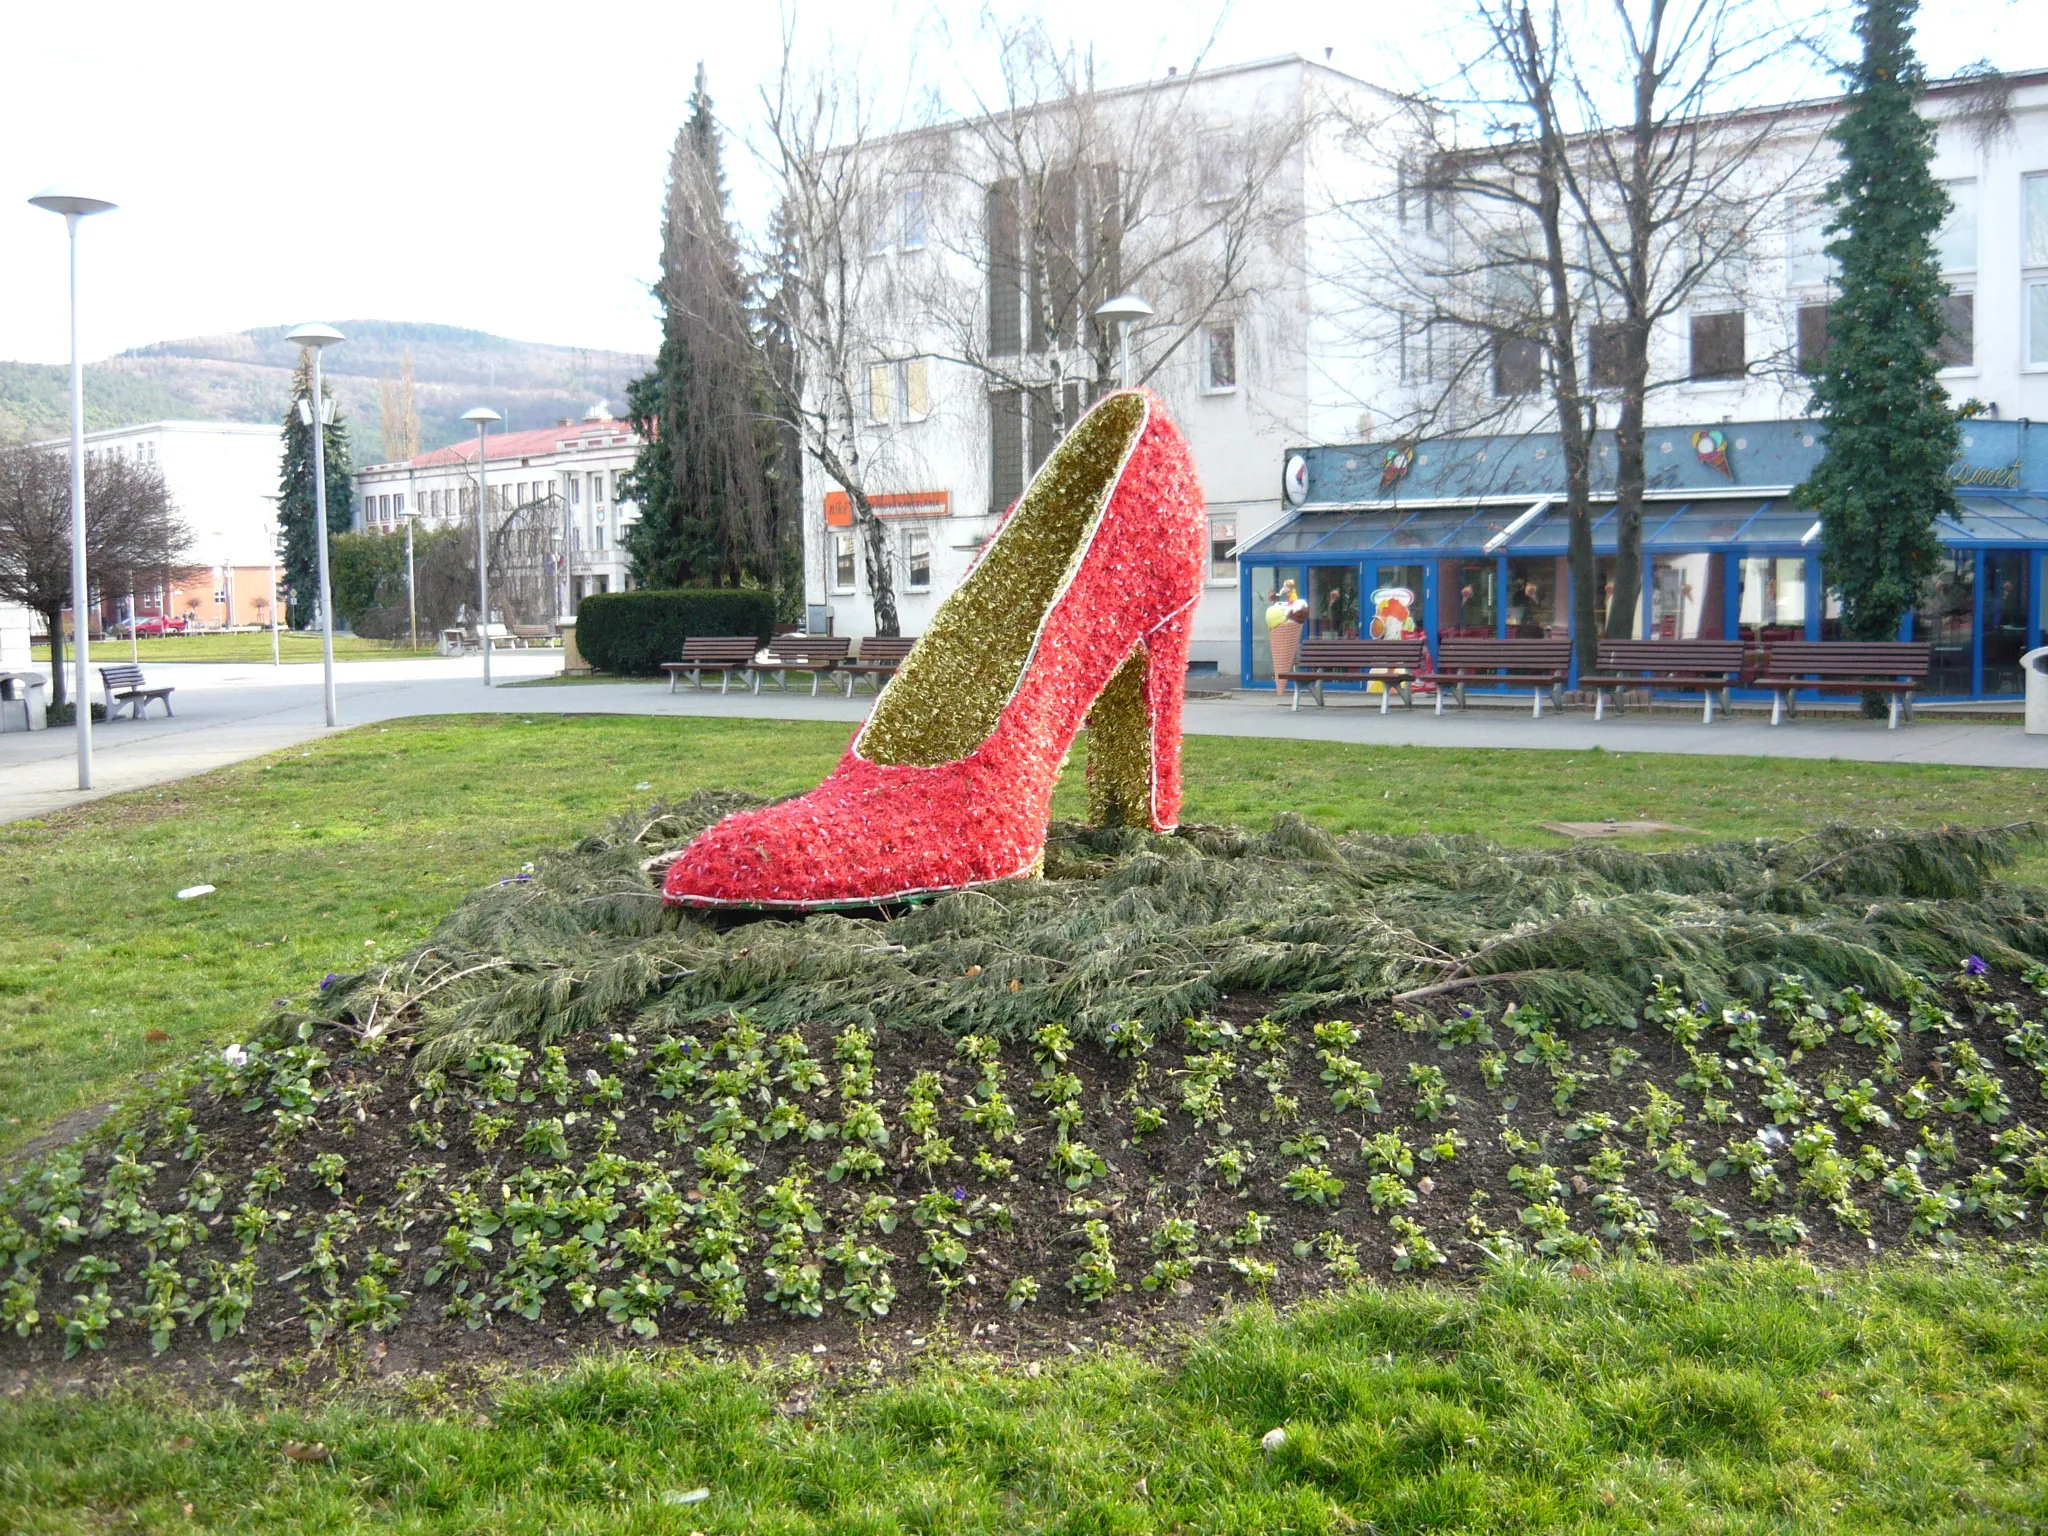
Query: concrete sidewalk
x,y
227,712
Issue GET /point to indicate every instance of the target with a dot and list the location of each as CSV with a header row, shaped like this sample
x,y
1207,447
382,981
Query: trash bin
x,y
2036,663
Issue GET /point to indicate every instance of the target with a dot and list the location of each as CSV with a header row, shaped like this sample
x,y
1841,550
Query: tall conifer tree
x,y
706,508
298,554
1892,431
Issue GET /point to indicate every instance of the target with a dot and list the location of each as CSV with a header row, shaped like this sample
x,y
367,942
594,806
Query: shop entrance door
x,y
1264,582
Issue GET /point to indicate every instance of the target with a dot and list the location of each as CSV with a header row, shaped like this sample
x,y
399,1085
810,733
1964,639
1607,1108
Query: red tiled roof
x,y
520,445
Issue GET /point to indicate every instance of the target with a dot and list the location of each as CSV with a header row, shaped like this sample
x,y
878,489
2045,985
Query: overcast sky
x,y
501,167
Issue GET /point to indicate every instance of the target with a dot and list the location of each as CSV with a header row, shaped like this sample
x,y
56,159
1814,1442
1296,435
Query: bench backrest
x,y
495,632
1514,655
886,650
127,675
1331,654
809,647
532,631
1850,658
1664,657
721,650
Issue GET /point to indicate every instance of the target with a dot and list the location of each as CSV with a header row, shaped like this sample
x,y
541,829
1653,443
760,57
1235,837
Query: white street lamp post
x,y
483,416
1123,311
75,206
314,336
412,597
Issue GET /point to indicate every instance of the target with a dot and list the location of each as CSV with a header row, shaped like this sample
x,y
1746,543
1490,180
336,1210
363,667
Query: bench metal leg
x,y
1537,695
1777,706
1599,705
1895,713
1386,693
1709,718
1439,700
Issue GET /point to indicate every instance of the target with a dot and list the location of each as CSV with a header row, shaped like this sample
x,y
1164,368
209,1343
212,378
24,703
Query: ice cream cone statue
x,y
1286,616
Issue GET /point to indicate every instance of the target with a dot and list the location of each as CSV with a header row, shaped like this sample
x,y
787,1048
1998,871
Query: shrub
x,y
638,631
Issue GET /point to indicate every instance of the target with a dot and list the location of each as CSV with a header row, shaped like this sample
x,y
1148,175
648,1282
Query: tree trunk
x,y
1630,477
56,622
875,553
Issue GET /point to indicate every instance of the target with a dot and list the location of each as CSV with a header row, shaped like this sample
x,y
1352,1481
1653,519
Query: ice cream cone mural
x,y
1711,444
1286,616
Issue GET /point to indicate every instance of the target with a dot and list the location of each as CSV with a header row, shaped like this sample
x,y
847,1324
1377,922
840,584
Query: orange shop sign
x,y
839,507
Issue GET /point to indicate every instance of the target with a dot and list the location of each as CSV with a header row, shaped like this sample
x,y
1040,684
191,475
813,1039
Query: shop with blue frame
x,y
1467,536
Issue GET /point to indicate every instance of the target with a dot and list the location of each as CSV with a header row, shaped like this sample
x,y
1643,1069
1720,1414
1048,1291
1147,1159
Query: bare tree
x,y
131,530
1058,194
822,131
1593,173
398,412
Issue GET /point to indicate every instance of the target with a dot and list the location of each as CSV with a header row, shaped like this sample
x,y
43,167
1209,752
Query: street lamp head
x,y
69,202
481,415
315,335
1125,306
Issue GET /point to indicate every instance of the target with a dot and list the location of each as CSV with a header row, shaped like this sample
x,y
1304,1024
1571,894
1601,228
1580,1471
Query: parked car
x,y
153,624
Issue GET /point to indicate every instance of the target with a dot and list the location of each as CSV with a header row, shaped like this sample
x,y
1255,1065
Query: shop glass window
x,y
1333,602
1266,582
1533,590
1772,602
1946,615
1466,609
2005,619
1685,597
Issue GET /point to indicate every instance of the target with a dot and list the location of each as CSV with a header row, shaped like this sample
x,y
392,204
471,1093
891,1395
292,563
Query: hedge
x,y
638,631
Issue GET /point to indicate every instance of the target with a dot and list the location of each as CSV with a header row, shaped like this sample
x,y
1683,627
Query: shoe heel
x,y
1134,731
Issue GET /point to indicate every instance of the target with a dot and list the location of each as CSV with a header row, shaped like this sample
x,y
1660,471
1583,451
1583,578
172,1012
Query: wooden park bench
x,y
1892,667
1394,663
723,654
529,635
127,690
499,638
880,656
815,654
1538,665
1709,667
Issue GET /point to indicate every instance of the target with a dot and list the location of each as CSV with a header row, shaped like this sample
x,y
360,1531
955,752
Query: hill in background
x,y
246,376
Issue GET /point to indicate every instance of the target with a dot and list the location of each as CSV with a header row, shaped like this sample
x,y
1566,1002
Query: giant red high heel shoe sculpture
x,y
1078,609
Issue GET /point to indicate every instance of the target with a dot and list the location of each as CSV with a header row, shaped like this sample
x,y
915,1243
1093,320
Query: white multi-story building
x,y
572,473
972,371
222,477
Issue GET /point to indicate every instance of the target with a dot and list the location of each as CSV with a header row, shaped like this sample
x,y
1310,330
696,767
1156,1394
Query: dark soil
x,y
412,1154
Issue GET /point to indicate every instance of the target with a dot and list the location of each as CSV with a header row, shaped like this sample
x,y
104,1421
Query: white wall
x,y
15,622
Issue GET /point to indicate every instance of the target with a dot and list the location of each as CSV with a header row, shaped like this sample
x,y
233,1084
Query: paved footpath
x,y
227,712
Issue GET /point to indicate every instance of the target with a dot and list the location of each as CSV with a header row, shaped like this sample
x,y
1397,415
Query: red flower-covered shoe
x,y
1078,609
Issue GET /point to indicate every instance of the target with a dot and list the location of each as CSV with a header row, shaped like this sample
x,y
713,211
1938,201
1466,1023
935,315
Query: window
x,y
1958,347
1006,448
917,559
842,562
913,219
1222,540
878,391
1606,354
1957,242
1718,346
1005,270
1813,337
1808,264
1222,349
597,538
917,395
597,488
2034,259
571,481
1216,166
1517,366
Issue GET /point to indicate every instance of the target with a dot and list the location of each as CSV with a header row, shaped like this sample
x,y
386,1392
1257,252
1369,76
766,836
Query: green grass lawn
x,y
1912,1395
326,856
1713,1398
240,647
